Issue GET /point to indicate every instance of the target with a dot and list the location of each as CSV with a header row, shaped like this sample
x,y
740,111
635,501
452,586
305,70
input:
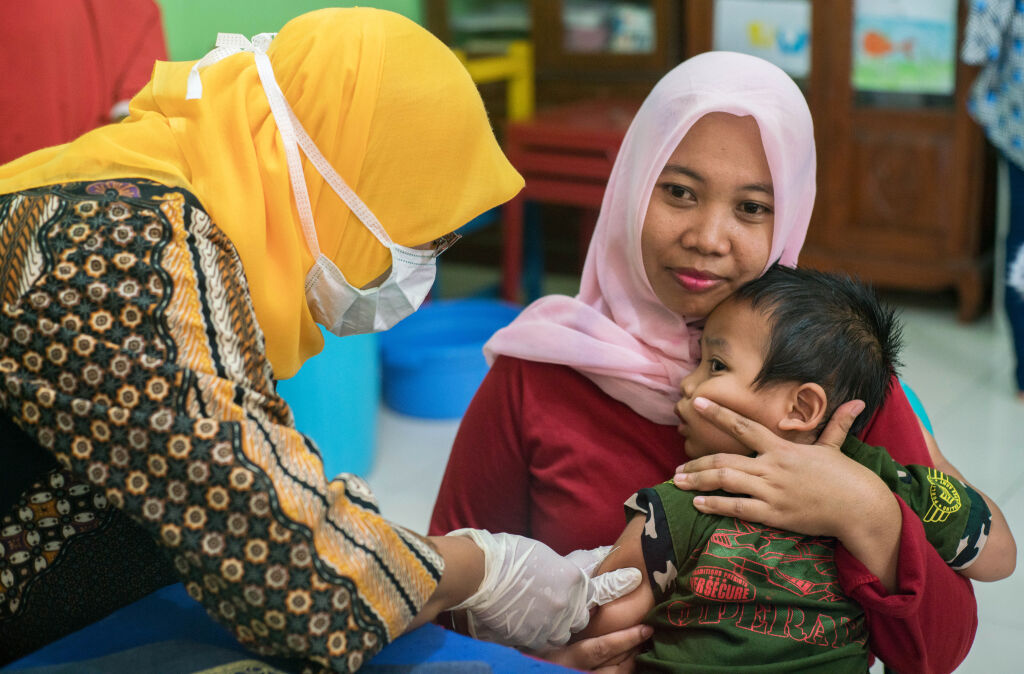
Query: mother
x,y
714,182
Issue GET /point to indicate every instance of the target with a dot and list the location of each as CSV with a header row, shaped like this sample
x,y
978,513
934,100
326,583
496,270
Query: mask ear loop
x,y
292,134
279,109
338,184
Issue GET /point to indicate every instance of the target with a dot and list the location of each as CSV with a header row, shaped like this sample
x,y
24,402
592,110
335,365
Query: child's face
x,y
732,352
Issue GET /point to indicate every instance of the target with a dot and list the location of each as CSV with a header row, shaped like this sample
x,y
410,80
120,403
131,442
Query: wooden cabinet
x,y
572,63
565,74
905,182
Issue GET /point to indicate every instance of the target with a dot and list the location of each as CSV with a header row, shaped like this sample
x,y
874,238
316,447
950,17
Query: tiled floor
x,y
962,375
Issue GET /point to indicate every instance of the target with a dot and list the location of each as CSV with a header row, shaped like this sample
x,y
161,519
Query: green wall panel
x,y
191,26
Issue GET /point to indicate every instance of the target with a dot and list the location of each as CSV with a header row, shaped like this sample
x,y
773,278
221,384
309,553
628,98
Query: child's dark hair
x,y
828,329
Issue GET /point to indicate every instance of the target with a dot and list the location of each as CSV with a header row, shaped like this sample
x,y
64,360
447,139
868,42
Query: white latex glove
x,y
531,596
607,586
589,560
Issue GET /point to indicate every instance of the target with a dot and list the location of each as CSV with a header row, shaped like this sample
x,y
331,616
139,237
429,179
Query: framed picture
x,y
905,46
778,31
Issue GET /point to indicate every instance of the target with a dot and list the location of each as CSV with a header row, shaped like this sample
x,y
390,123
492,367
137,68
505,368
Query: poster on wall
x,y
775,30
906,46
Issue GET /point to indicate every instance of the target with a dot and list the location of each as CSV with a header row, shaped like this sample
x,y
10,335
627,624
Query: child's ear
x,y
807,406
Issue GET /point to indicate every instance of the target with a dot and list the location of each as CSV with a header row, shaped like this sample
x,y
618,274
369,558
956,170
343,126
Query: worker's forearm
x,y
463,573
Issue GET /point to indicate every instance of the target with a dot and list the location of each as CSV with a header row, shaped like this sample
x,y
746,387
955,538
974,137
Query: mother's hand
x,y
810,489
611,653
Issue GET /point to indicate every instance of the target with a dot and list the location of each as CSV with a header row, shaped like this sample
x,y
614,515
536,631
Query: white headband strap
x,y
227,44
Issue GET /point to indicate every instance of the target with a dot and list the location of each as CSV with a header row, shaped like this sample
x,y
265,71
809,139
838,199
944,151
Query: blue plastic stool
x,y
335,397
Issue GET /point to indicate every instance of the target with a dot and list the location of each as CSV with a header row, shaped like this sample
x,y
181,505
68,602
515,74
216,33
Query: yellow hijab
x,y
388,105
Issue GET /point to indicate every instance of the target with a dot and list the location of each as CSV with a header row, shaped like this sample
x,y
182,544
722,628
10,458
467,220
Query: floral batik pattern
x,y
57,573
129,350
32,535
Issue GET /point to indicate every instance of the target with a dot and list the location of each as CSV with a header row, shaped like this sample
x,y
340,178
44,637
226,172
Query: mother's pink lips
x,y
696,281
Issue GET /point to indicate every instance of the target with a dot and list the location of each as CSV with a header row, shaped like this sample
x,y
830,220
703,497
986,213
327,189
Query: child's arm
x,y
998,558
628,610
962,524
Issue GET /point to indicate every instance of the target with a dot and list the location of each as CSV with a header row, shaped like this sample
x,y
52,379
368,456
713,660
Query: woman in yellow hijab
x,y
382,99
158,274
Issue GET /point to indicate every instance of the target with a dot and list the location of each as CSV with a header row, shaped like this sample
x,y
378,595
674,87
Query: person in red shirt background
x,y
71,66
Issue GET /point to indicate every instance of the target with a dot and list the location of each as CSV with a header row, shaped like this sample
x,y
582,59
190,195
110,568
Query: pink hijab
x,y
615,331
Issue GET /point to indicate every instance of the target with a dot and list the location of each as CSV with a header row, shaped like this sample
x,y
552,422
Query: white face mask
x,y
334,302
346,310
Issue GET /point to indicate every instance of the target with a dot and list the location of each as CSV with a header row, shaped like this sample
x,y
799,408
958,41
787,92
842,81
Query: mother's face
x,y
708,228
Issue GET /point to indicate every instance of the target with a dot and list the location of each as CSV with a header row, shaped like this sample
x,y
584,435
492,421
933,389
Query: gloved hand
x,y
531,596
589,560
607,586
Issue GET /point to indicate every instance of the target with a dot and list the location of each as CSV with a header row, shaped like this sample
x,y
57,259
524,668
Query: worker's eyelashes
x,y
444,243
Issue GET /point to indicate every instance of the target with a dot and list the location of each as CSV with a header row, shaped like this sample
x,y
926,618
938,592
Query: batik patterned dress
x,y
152,446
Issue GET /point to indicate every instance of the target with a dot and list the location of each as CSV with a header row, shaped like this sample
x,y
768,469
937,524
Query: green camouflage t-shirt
x,y
734,596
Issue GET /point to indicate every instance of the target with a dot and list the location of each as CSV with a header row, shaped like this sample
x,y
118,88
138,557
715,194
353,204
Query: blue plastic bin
x,y
433,361
335,397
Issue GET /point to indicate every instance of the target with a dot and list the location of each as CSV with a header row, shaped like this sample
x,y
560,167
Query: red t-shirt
x,y
66,64
543,452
